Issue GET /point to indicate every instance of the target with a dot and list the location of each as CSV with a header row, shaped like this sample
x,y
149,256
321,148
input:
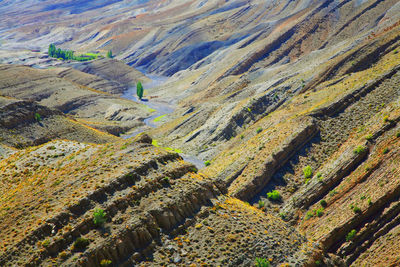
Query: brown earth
x,y
265,91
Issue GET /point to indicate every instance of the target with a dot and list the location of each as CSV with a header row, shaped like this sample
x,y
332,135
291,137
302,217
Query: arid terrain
x,y
268,133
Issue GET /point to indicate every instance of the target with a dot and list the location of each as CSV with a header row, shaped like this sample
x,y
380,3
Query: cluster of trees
x,y
69,54
58,53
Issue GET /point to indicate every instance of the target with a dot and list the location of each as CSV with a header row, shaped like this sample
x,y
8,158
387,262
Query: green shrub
x,y
274,195
355,208
386,150
319,212
351,235
80,244
99,217
323,203
259,130
359,149
309,215
46,243
386,118
241,136
105,263
38,117
369,137
207,163
307,171
262,262
398,134
261,204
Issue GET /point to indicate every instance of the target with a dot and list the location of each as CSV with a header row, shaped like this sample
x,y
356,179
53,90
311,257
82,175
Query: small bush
x,y
63,255
386,119
386,150
80,243
99,217
319,212
259,130
261,204
105,263
38,117
274,195
241,136
207,163
359,149
262,262
369,137
323,203
351,235
398,134
356,209
307,171
309,215
46,243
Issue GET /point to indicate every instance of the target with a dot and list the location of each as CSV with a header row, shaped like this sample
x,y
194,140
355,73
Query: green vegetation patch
x,y
351,235
59,53
99,217
274,195
160,118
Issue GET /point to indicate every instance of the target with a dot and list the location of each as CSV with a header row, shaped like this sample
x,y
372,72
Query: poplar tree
x,y
139,90
109,54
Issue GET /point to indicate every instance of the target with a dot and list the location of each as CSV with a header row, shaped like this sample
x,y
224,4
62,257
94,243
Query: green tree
x,y
139,90
52,50
109,54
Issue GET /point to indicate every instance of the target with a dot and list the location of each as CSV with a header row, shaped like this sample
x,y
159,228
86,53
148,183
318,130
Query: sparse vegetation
x,y
207,163
385,150
261,204
274,195
369,137
307,171
38,118
351,235
80,244
105,263
319,212
359,149
323,203
355,209
262,262
46,243
259,130
99,217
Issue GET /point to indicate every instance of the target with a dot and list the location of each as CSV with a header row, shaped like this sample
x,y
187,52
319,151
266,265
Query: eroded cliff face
x,y
302,97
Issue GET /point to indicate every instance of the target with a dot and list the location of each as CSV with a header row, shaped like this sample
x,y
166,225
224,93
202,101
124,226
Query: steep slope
x,y
25,123
151,198
88,98
300,97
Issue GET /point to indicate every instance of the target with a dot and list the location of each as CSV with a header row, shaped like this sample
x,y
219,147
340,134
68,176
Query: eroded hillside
x,y
293,106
